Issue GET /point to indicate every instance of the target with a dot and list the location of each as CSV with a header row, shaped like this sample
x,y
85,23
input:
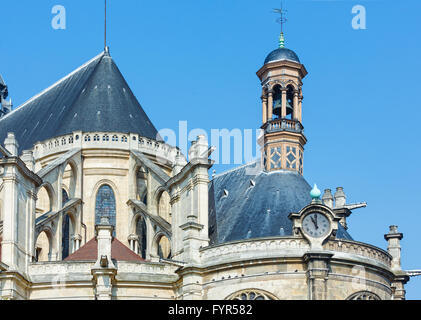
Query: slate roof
x,y
246,205
282,54
89,252
94,97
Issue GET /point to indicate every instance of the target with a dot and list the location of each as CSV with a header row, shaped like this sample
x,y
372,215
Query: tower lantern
x,y
281,79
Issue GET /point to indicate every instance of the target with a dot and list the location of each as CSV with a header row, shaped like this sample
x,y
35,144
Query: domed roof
x,y
282,54
245,204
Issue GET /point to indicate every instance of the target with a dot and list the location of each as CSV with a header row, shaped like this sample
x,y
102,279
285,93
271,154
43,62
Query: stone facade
x,y
70,189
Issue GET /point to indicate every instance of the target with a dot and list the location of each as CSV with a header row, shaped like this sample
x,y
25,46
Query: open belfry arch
x,y
94,205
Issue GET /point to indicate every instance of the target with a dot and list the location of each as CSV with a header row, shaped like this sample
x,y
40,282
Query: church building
x,y
95,205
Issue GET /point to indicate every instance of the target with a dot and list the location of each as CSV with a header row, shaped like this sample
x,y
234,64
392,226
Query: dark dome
x,y
244,204
282,54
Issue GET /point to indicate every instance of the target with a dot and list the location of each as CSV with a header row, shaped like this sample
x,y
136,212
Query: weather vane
x,y
281,20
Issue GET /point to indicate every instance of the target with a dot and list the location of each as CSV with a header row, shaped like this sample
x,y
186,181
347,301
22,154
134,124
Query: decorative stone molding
x,y
251,294
99,140
364,295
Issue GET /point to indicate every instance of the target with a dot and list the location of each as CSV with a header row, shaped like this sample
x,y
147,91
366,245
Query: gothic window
x,y
105,205
63,141
42,247
141,232
142,185
364,295
65,196
96,138
87,138
65,239
276,158
123,139
106,138
115,138
251,294
164,206
70,140
164,248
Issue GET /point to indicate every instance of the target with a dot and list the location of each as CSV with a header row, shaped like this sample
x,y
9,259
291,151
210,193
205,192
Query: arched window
x,y
65,196
105,205
364,295
43,247
277,102
65,237
251,294
141,232
290,101
164,207
164,248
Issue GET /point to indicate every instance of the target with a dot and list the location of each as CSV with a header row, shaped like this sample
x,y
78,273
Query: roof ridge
x,y
97,57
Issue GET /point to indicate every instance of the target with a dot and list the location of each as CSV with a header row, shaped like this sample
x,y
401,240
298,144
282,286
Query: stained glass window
x,y
65,238
141,232
105,205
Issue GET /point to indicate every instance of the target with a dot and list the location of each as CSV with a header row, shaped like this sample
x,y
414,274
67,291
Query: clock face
x,y
316,225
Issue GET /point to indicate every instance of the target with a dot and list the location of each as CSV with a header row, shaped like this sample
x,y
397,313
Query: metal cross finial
x,y
281,20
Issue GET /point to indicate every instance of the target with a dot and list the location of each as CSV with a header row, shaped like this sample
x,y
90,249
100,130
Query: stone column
x,y
300,110
317,274
394,246
9,243
104,270
32,198
270,105
264,109
398,285
77,240
284,104
295,106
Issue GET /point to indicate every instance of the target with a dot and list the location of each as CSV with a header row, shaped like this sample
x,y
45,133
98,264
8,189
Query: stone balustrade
x,y
284,124
360,249
100,140
276,247
69,270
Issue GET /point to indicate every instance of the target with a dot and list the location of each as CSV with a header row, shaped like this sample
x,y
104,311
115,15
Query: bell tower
x,y
281,79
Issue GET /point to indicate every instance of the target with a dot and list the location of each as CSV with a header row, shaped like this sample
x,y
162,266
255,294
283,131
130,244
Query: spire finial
x,y
281,20
105,27
315,194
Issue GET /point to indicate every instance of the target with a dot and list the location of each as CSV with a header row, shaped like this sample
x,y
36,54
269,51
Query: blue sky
x,y
196,60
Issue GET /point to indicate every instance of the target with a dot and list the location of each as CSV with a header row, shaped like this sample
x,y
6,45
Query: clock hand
x,y
314,222
317,225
